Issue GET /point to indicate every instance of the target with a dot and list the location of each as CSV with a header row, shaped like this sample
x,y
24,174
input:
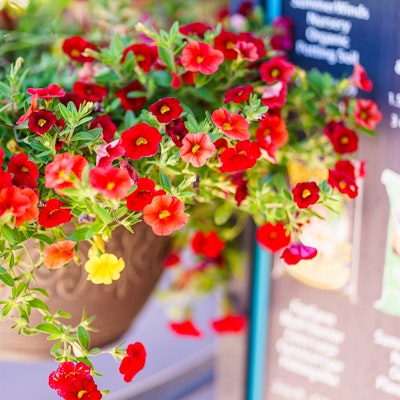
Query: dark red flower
x,y
90,91
296,252
282,35
74,48
171,260
1,156
238,94
145,55
48,92
235,126
272,236
166,109
230,323
360,79
54,213
226,42
344,140
305,194
249,37
276,70
241,188
177,130
76,98
143,195
195,28
201,57
207,244
246,8
25,172
82,389
140,140
41,121
133,362
243,156
185,328
107,126
367,114
343,178
111,182
131,103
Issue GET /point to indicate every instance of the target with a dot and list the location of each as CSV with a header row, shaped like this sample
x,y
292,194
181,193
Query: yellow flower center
x,y
230,45
342,185
227,126
275,73
164,214
110,185
199,59
81,393
164,109
140,141
344,140
24,169
140,57
305,193
75,53
41,122
61,173
195,148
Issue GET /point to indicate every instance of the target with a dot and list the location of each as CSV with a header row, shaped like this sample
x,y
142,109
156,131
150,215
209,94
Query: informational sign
x,y
334,327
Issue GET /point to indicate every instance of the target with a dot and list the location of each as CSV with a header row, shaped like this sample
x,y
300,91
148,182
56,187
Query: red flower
x,y
107,126
344,140
166,109
343,178
76,98
367,114
13,200
75,46
226,42
276,70
171,260
298,251
233,125
145,55
241,188
109,152
112,183
272,134
274,96
185,328
165,214
196,148
83,389
1,156
54,214
229,324
32,108
208,244
248,37
59,174
238,94
5,179
41,121
140,140
32,211
195,28
282,36
305,194
143,195
48,92
58,254
133,362
131,103
243,156
25,172
177,130
247,51
90,91
201,57
272,236
360,79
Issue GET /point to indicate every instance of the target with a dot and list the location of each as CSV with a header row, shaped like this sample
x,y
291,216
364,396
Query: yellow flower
x,y
104,269
14,5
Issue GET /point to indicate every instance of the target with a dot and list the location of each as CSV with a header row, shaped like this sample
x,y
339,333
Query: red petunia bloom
x,y
243,156
53,214
258,43
61,172
13,200
165,214
343,178
143,195
305,194
201,57
131,103
32,211
41,121
185,328
234,126
241,188
112,183
48,92
196,149
177,130
166,109
344,140
298,251
1,156
74,48
5,179
366,113
58,254
171,260
207,244
25,172
32,108
226,42
274,96
107,126
360,79
230,323
109,152
247,51
272,236
145,55
76,98
282,35
83,389
140,140
90,91
238,94
133,362
276,70
195,28
272,134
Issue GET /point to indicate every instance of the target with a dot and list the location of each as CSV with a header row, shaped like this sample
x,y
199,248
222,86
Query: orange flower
x,y
58,254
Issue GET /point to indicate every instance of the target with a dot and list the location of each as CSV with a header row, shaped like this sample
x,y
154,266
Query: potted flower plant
x,y
191,129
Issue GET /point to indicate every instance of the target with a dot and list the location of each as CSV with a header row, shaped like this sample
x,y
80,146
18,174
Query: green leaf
x,y
83,337
88,136
166,56
37,303
223,213
8,234
48,328
165,181
103,214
